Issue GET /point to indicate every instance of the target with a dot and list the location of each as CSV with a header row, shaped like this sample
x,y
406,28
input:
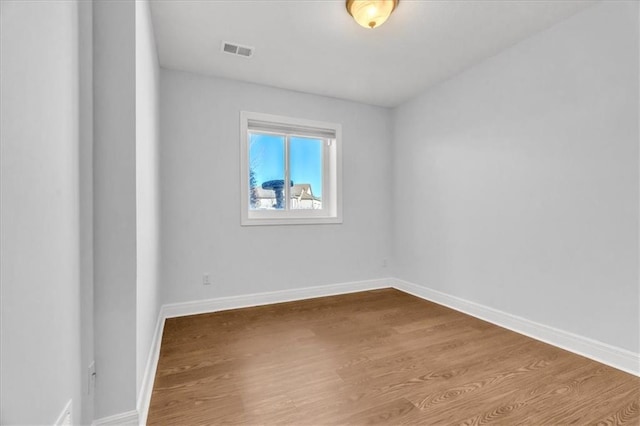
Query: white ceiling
x,y
314,46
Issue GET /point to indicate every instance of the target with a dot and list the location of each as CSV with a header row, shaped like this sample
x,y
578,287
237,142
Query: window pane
x,y
305,164
266,172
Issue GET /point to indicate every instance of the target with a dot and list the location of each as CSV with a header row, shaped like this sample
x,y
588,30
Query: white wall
x,y
114,190
200,201
39,215
147,187
516,182
85,152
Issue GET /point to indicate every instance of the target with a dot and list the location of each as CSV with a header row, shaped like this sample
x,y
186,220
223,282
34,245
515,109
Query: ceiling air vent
x,y
236,49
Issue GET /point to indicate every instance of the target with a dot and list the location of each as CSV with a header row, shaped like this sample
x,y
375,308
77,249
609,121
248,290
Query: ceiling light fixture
x,y
371,13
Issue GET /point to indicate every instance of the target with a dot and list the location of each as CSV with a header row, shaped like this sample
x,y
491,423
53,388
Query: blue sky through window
x,y
266,157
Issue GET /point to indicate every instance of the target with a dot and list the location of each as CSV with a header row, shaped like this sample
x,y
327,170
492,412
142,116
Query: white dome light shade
x,y
371,13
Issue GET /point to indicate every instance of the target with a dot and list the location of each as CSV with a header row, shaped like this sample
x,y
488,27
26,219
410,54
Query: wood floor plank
x,y
393,412
626,414
375,357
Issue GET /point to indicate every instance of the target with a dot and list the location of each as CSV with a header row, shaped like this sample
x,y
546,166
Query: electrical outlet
x,y
91,371
206,279
384,263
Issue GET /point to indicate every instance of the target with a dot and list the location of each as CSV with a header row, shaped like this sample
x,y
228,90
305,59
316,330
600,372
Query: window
x,y
290,170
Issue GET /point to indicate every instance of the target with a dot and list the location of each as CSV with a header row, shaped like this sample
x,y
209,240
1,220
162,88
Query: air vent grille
x,y
230,48
236,49
244,51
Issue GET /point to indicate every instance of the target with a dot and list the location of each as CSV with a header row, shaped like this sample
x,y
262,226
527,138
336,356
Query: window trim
x,y
332,171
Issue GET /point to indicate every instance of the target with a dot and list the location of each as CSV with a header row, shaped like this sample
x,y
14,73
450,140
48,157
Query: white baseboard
x,y
615,357
129,418
146,389
257,299
621,359
66,416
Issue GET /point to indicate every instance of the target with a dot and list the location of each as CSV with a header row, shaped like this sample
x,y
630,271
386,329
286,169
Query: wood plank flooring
x,y
375,357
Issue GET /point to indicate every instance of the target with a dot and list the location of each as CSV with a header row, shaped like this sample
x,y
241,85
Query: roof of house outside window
x,y
301,191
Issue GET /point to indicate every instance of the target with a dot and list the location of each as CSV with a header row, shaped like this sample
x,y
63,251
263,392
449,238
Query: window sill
x,y
290,221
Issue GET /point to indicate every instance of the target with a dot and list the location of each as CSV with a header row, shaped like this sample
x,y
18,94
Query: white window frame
x,y
331,211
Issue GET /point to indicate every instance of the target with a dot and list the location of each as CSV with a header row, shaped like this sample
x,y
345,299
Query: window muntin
x,y
305,153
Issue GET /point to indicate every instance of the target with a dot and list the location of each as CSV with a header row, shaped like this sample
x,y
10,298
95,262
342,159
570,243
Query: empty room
x,y
319,212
